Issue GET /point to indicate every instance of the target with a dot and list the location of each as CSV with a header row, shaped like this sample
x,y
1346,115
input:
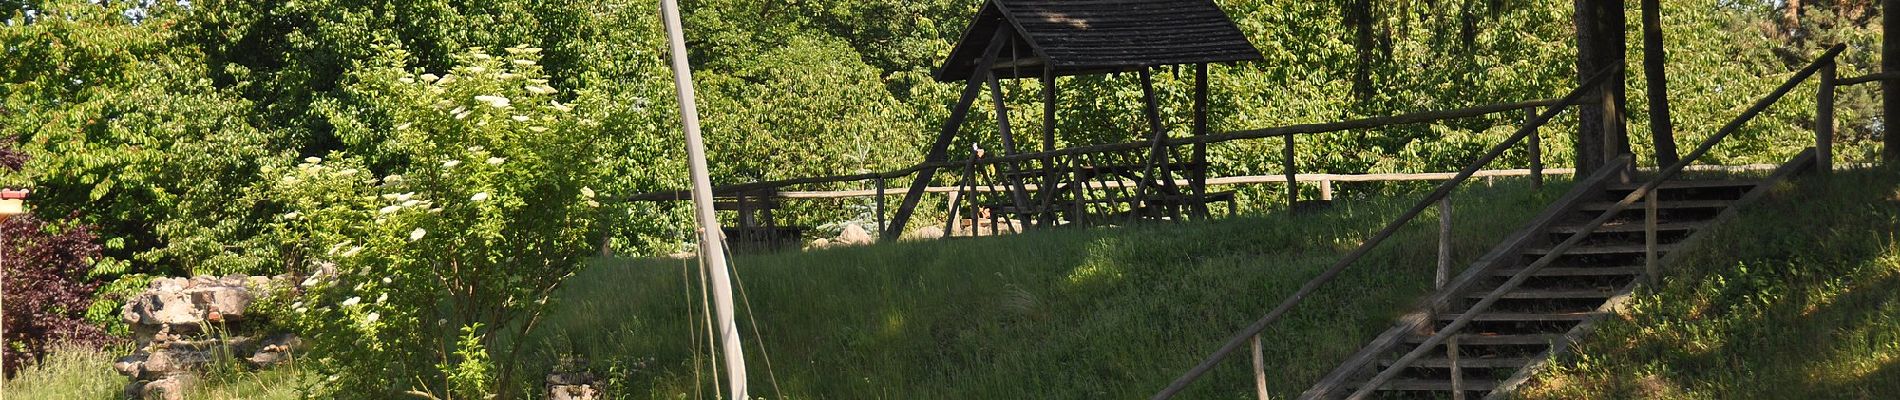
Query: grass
x,y
1797,299
85,373
1061,314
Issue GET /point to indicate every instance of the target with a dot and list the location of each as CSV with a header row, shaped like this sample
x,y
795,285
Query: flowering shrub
x,y
483,207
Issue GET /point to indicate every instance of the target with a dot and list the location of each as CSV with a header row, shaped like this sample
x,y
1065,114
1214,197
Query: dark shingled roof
x,y
1099,36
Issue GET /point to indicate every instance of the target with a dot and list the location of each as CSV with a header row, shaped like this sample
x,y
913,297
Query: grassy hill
x,y
1797,299
1066,314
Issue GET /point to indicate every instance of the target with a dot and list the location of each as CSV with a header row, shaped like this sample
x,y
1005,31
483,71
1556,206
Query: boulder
x,y
572,386
854,235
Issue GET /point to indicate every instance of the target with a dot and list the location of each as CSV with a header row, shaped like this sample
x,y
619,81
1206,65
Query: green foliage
x,y
487,210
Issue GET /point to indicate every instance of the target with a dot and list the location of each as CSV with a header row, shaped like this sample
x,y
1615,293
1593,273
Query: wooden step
x,y
1634,226
1546,294
1466,362
1665,205
1434,385
1495,340
1602,249
1688,184
1558,271
1524,317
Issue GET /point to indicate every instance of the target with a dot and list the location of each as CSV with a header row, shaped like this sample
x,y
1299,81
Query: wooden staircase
x,y
1505,343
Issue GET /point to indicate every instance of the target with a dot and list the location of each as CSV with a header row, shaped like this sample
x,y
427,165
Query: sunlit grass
x,y
1063,314
83,373
1798,299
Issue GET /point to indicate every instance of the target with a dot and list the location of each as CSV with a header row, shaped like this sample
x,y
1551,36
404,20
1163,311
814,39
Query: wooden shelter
x,y
1048,39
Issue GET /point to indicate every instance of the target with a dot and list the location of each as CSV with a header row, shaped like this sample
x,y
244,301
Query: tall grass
x,y
1060,314
77,373
1797,299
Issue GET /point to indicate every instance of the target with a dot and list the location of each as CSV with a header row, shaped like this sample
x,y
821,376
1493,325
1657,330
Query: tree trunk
x,y
1654,58
1889,63
1600,44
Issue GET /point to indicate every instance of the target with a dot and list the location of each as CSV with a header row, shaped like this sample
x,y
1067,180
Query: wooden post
x,y
1890,63
1536,144
1649,237
1661,130
1292,174
939,150
1326,190
1824,120
1049,177
1457,371
878,209
1259,371
1198,181
1444,242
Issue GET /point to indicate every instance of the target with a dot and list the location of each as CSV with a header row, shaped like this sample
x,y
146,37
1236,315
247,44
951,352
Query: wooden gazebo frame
x,y
1067,38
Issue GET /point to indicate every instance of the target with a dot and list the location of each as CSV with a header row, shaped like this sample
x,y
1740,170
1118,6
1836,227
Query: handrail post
x,y
1326,189
1536,147
1824,120
1457,371
1444,242
1649,237
1259,371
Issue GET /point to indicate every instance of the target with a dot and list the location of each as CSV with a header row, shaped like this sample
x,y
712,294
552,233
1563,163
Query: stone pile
x,y
182,325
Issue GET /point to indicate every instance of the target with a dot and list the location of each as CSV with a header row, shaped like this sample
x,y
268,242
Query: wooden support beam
x,y
1824,120
939,150
1048,144
1158,140
1661,130
1535,143
1198,180
1017,196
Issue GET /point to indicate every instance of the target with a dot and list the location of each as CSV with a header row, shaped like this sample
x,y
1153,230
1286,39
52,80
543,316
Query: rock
x,y
572,386
227,301
855,235
167,388
821,243
275,350
165,305
925,233
130,365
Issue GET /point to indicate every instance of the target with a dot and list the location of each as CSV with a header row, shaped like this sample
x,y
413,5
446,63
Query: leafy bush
x,y
47,293
485,209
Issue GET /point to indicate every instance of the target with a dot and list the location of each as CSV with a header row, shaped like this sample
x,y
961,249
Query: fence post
x,y
1292,175
1444,242
1536,143
1824,120
1326,189
878,209
1259,370
1649,237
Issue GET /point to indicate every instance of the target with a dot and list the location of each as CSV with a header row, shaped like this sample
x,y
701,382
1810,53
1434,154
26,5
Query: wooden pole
x,y
1824,120
879,208
939,150
711,250
1444,243
1536,147
1654,56
1326,190
1457,371
1650,269
1292,172
1259,371
1048,144
1890,63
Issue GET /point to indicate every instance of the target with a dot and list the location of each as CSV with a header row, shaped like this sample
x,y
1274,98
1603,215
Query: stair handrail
x,y
1442,191
1825,60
